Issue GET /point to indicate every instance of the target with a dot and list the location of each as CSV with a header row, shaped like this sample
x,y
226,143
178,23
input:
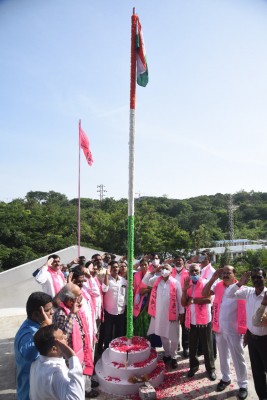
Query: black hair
x,y
54,256
35,301
178,256
258,269
143,260
44,339
77,272
96,255
112,263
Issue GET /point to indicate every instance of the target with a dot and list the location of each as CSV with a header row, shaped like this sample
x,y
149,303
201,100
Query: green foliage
x,y
44,222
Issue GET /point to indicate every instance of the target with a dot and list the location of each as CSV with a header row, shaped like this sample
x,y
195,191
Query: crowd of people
x,y
82,307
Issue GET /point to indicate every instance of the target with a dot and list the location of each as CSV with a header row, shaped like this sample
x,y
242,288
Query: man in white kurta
x,y
160,324
229,341
50,378
50,276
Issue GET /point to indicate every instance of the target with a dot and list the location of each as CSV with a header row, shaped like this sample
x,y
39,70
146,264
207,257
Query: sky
x,y
200,123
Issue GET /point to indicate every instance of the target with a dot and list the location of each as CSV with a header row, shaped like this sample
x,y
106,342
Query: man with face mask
x,y
256,335
229,324
165,310
198,321
180,273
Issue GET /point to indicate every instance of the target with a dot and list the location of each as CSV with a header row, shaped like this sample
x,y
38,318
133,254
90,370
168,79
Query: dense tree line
x,y
44,222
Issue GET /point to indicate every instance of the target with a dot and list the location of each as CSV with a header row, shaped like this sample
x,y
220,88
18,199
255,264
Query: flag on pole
x,y
85,145
141,62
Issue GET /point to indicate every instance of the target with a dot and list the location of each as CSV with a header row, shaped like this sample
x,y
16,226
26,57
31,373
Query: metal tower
x,y
101,191
231,209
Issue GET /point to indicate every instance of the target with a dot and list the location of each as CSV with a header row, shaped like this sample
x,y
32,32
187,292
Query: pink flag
x,y
85,145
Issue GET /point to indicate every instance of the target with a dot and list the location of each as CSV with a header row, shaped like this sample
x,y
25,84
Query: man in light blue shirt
x,y
39,313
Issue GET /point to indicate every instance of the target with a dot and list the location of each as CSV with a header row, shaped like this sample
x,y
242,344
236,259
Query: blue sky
x,y
200,123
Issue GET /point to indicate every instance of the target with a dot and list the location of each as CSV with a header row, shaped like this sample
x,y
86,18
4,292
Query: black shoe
x,y
174,363
212,376
92,394
166,359
94,384
186,353
222,385
242,393
192,372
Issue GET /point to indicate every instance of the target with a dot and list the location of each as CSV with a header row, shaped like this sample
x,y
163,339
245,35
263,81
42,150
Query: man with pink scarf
x,y
165,310
50,276
71,318
198,321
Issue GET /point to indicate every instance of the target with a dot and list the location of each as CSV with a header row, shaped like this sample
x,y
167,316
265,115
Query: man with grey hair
x,y
70,317
198,321
165,296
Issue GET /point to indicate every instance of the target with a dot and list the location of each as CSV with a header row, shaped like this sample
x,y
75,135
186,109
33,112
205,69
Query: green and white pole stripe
x,y
129,331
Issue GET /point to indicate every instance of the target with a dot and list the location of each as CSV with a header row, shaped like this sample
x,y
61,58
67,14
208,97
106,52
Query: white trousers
x,y
232,344
169,346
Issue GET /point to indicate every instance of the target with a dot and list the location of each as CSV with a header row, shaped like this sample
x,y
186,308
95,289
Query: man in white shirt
x,y
114,289
50,378
229,323
50,276
256,335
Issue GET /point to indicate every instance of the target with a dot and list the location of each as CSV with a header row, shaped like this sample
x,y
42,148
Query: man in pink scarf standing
x,y
198,321
229,324
50,276
165,310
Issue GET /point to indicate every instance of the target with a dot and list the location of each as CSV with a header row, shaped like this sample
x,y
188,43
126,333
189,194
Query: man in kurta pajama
x,y
229,324
165,309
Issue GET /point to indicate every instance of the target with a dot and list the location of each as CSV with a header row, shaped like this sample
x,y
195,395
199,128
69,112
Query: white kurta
x,y
44,278
160,325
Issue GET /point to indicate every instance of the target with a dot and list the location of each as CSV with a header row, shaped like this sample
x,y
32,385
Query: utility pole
x,y
101,191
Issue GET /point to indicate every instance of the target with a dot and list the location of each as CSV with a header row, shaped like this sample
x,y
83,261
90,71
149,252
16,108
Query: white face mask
x,y
165,273
179,268
155,262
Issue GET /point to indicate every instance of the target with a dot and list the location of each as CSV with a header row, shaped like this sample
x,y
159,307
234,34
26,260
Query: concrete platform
x,y
176,384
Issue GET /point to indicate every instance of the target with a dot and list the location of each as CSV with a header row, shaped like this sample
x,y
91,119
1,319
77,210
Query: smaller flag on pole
x,y
85,145
141,62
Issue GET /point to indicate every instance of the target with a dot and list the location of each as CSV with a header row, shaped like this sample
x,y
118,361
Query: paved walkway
x,y
176,385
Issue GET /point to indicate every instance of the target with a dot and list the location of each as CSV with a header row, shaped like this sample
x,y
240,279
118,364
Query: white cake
x,y
124,361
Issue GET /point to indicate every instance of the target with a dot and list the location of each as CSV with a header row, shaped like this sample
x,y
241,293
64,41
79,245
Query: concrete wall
x,y
18,283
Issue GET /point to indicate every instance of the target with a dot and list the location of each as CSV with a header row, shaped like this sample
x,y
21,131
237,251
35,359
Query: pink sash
x,y
184,274
200,309
241,310
82,349
91,323
55,279
206,272
172,304
138,284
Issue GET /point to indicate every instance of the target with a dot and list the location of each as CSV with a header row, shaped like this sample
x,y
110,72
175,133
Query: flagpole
x,y
79,192
129,332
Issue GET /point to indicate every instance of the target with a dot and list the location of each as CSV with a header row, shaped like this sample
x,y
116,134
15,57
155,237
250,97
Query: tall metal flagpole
x,y
79,193
129,333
